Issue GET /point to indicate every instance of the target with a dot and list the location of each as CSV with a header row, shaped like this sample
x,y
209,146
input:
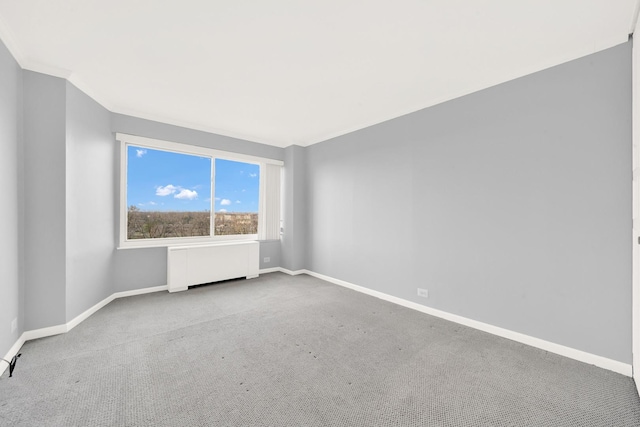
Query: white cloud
x,y
225,202
185,194
166,190
153,203
140,153
217,198
177,191
253,175
222,210
238,201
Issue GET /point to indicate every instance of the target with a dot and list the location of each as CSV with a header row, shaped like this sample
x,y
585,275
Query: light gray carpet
x,y
297,351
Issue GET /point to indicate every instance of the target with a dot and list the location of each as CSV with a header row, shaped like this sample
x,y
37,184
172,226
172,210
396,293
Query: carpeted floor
x,y
297,351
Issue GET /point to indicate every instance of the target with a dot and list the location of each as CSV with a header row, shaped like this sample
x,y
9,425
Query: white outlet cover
x,y
423,293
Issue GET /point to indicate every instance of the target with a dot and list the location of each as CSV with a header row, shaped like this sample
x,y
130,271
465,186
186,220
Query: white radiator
x,y
195,265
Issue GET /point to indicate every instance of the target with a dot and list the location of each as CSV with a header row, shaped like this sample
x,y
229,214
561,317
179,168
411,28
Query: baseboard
x,y
142,291
34,334
82,317
269,270
64,328
572,353
12,352
292,273
282,270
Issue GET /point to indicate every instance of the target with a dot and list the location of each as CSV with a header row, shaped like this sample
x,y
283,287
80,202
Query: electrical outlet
x,y
267,259
423,293
14,325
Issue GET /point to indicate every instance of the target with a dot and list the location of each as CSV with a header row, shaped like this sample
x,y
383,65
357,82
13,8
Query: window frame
x,y
194,150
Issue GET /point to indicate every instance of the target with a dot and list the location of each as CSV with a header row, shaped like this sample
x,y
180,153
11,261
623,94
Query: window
x,y
237,197
169,192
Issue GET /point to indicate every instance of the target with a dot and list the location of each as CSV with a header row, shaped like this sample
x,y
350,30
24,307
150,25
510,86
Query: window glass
x,y
237,197
168,194
178,194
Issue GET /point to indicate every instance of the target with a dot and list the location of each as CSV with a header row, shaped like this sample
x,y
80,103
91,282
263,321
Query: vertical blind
x,y
270,223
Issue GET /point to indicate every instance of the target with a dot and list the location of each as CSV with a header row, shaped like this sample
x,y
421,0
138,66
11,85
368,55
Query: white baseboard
x,y
34,334
293,273
12,352
83,316
269,270
572,353
31,335
142,291
282,270
64,328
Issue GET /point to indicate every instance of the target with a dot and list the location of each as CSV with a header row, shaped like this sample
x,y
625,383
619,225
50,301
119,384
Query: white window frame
x,y
181,148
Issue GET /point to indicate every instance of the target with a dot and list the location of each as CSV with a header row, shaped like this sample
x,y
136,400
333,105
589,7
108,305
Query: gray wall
x,y
294,214
150,129
270,249
10,112
90,198
512,206
44,200
142,268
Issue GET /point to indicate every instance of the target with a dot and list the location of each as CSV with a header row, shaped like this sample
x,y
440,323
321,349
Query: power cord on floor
x,y
12,364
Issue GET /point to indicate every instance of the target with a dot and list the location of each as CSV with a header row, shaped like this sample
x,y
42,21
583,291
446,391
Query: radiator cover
x,y
198,264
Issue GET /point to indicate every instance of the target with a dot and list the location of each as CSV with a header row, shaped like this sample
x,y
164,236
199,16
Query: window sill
x,y
186,242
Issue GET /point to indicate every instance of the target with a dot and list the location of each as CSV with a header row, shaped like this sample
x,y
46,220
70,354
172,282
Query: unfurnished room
x,y
410,213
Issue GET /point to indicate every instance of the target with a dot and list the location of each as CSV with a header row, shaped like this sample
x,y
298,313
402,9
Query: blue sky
x,y
237,186
166,181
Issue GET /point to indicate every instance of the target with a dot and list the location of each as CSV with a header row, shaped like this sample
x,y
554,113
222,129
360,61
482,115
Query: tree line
x,y
154,224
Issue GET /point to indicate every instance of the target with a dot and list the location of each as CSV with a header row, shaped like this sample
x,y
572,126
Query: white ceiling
x,y
285,72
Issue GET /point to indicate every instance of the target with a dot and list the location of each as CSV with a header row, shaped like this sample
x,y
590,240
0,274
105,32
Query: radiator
x,y
195,265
